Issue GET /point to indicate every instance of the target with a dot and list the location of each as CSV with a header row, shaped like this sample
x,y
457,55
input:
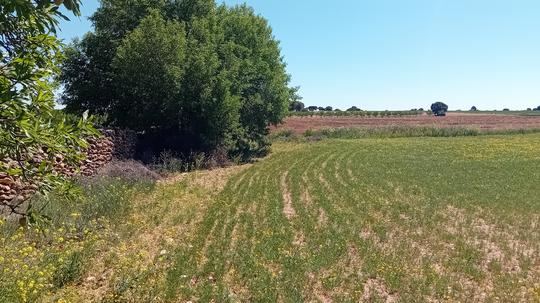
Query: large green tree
x,y
209,75
32,134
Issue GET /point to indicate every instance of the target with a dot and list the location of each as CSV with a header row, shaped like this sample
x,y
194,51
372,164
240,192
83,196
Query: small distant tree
x,y
337,110
421,109
296,106
473,109
312,108
506,110
439,109
537,109
353,109
529,109
320,108
328,108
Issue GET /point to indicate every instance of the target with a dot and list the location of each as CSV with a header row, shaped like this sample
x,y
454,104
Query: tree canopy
x,y
439,108
209,76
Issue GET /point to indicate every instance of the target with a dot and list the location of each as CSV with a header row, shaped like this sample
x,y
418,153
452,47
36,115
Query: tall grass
x,y
408,131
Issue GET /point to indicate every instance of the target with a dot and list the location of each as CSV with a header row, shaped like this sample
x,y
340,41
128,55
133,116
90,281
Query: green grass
x,y
406,219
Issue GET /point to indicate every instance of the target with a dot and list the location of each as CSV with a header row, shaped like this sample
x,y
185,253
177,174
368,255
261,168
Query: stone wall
x,y
114,143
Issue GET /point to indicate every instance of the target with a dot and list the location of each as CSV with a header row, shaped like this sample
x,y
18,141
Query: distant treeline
x,y
356,113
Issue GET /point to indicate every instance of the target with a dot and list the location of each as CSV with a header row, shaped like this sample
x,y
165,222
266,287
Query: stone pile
x,y
124,142
15,191
98,154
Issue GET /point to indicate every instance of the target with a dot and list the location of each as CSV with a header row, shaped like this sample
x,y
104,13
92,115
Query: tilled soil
x,y
480,121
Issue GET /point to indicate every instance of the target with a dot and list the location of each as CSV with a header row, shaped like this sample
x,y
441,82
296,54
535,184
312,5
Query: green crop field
x,y
379,220
417,219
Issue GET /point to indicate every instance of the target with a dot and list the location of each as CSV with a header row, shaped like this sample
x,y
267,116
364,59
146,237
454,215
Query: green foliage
x,y
439,109
31,132
213,76
150,95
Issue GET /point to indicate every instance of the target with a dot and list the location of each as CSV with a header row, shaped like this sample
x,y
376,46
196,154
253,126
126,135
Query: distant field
x,y
501,112
299,124
374,220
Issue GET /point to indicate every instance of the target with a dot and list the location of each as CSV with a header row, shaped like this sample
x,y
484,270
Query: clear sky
x,y
396,54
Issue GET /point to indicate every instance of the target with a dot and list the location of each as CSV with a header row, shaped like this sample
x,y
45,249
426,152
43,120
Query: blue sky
x,y
395,54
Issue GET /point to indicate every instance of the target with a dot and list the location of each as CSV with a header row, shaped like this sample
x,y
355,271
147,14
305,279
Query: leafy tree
x,y
146,100
353,109
258,76
506,109
32,134
439,109
473,109
296,106
328,108
538,108
312,108
219,87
